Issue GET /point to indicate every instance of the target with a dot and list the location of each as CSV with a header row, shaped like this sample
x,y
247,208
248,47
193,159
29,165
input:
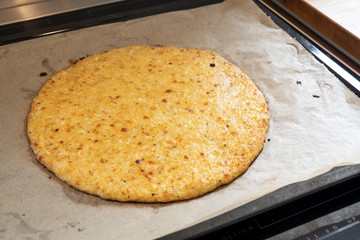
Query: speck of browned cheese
x,y
148,124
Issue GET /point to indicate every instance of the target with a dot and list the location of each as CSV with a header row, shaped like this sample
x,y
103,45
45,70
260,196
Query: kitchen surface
x,y
334,20
308,174
345,14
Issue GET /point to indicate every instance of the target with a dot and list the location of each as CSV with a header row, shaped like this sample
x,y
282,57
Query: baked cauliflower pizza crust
x,y
148,124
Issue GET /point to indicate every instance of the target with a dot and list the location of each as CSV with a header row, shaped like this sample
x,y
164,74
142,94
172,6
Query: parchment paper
x,y
314,126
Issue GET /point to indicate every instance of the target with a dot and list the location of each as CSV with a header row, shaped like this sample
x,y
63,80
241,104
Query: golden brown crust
x,y
148,124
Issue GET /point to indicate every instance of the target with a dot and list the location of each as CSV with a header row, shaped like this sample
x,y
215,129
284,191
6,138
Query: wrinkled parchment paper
x,y
315,123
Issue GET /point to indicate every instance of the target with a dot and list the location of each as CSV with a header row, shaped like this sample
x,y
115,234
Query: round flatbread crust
x,y
148,124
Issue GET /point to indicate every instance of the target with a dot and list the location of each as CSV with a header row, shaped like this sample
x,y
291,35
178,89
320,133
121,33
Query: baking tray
x,y
267,215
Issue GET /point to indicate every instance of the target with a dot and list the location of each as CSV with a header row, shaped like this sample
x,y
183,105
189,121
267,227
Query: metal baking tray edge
x,y
92,16
271,214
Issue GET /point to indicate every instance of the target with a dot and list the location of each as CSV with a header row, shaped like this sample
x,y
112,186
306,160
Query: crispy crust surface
x,y
148,124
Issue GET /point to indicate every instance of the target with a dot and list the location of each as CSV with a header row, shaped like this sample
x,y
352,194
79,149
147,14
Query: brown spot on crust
x,y
124,129
164,100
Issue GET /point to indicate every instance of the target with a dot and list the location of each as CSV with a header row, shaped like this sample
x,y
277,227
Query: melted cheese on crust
x,y
148,124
